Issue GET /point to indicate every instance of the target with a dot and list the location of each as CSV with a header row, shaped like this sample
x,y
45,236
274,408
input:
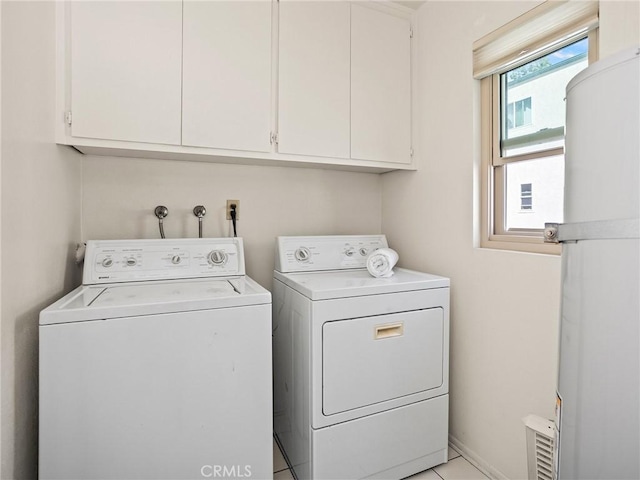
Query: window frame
x,y
492,189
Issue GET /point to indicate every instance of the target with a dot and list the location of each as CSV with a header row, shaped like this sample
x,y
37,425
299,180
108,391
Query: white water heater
x,y
598,414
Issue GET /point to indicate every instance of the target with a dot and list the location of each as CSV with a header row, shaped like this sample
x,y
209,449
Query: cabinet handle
x,y
388,331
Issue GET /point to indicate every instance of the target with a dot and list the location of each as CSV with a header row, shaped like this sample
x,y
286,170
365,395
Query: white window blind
x,y
542,29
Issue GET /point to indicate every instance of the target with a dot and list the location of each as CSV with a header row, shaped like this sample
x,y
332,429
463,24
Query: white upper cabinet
x,y
314,78
289,82
344,81
380,86
125,73
226,102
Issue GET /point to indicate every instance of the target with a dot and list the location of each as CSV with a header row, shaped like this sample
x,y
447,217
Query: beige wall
x,y
40,219
505,305
619,25
119,195
1,370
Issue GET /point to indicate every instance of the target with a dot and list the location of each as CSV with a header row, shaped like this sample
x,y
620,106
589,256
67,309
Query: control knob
x,y
350,251
131,262
217,257
302,254
107,262
176,259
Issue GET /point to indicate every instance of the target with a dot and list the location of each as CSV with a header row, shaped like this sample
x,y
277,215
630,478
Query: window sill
x,y
521,244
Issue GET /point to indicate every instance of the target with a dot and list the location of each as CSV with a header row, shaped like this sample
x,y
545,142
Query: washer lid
x,y
100,302
123,295
355,283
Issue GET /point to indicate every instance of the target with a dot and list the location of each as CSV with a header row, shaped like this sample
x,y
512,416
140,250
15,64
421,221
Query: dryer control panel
x,y
112,261
337,252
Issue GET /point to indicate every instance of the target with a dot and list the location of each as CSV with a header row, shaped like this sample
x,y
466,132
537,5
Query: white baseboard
x,y
476,460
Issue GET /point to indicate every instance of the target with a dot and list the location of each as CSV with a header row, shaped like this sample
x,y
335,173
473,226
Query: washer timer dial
x,y
107,262
302,254
217,257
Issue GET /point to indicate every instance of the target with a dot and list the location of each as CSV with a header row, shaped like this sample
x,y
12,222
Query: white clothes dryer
x,y
361,364
158,366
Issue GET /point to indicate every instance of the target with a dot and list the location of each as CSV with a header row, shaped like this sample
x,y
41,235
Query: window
x,y
544,79
526,198
525,67
518,113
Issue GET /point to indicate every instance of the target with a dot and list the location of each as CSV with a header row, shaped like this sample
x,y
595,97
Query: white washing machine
x,y
361,364
158,366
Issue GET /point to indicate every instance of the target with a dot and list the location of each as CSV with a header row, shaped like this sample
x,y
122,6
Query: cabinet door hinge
x,y
67,117
411,152
410,31
274,138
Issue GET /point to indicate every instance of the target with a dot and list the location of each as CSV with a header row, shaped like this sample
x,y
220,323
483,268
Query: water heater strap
x,y
596,230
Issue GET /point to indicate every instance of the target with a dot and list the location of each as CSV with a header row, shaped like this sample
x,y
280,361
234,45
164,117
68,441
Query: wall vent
x,y
540,448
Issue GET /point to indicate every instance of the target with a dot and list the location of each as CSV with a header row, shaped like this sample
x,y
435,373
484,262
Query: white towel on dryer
x,y
380,262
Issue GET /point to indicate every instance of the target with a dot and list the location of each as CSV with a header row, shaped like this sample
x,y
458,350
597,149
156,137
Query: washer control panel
x,y
110,261
301,254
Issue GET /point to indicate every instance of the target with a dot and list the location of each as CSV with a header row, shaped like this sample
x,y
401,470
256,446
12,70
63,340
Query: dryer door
x,y
374,359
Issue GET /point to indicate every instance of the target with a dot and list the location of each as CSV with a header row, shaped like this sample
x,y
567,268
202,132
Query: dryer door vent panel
x,y
375,359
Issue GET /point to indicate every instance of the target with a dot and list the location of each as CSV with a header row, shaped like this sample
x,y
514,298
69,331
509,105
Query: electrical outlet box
x,y
237,204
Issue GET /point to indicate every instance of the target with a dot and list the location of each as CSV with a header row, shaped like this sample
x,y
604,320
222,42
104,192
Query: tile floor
x,y
457,468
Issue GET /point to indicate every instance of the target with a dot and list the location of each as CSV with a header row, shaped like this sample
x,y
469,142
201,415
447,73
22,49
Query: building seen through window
x,y
526,197
519,113
532,122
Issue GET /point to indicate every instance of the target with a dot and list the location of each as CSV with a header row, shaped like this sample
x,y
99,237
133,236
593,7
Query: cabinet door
x,y
125,70
226,99
314,84
380,86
